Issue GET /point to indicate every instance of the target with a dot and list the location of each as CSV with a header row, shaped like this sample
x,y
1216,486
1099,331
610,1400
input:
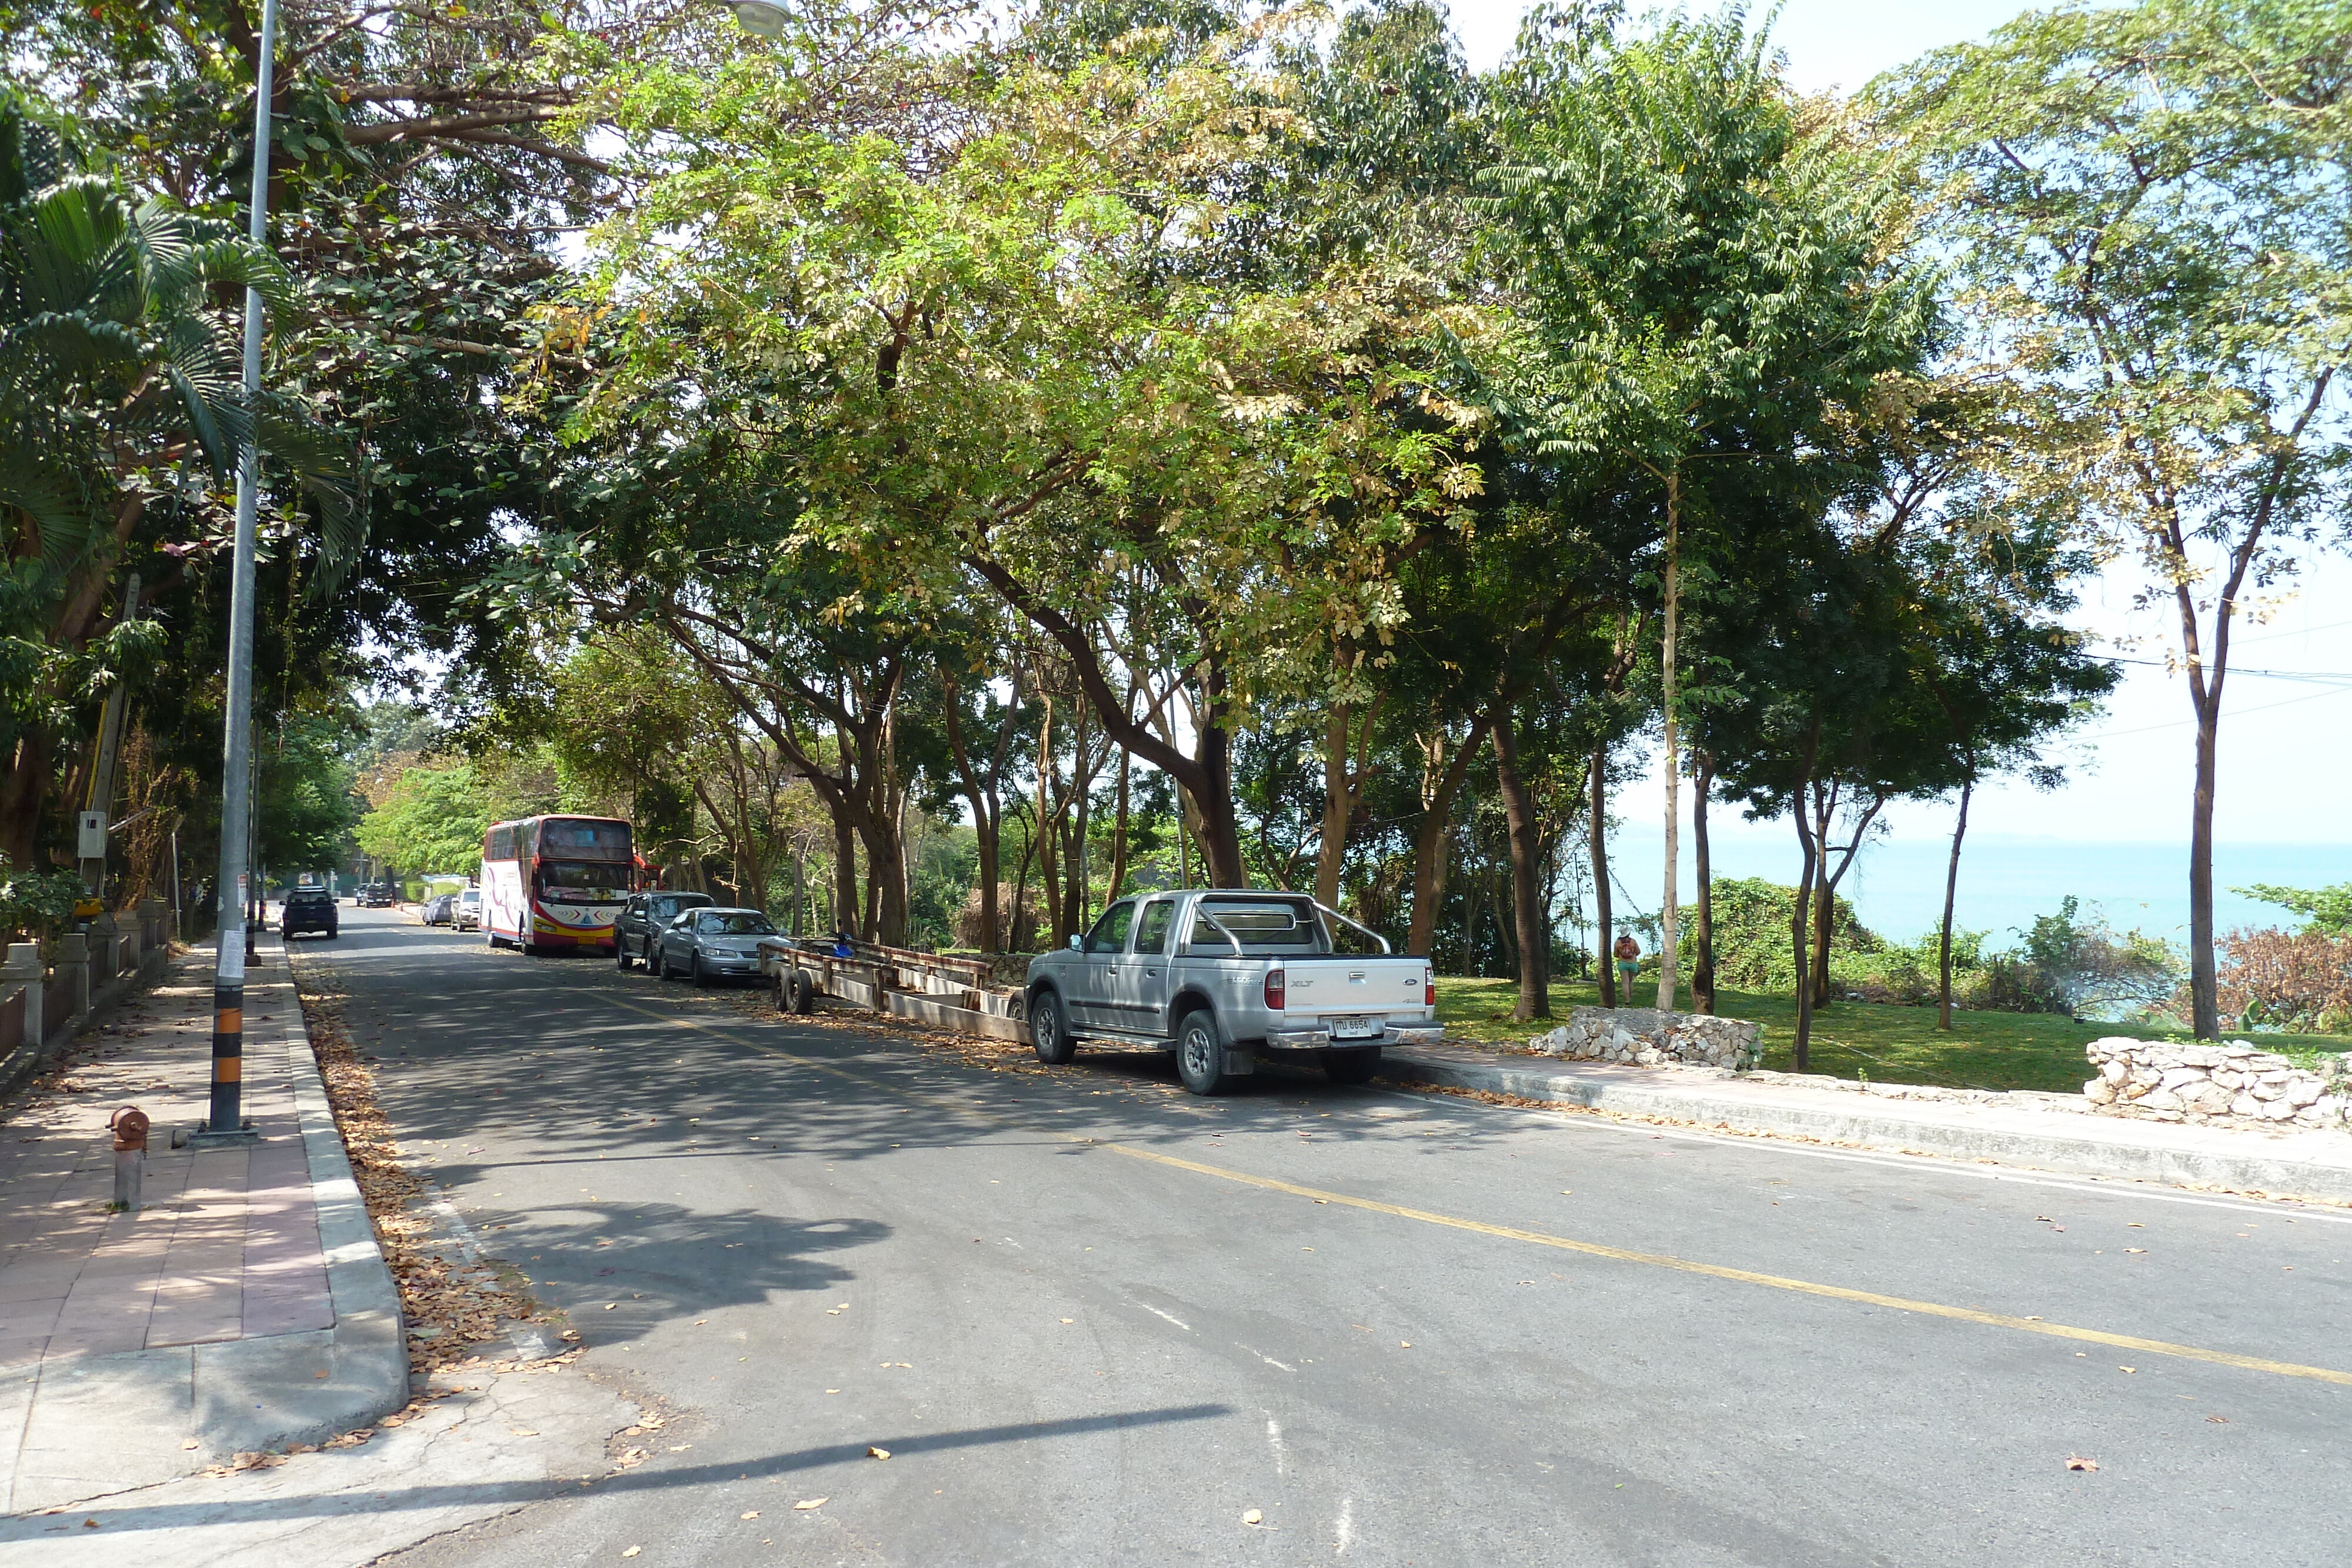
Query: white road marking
x,y
1156,1312
1273,1441
1265,1358
1344,1530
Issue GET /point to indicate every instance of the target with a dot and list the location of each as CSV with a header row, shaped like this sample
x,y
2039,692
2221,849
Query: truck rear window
x,y
1261,924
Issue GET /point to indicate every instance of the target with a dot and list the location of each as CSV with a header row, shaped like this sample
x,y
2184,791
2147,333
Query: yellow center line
x,y
1568,1244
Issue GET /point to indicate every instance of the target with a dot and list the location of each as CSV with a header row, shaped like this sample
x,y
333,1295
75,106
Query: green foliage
x,y
433,822
2327,910
1753,948
36,903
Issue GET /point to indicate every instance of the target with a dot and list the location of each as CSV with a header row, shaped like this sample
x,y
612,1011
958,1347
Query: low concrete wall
x,y
2229,1084
1645,1036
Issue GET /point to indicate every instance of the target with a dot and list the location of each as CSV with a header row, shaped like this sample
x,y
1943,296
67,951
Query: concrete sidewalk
x,y
2041,1132
245,1304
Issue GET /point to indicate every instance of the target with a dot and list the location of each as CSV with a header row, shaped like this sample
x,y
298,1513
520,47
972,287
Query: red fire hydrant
x,y
130,1125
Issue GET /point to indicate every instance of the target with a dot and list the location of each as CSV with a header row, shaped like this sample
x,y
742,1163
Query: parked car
x,y
309,909
637,930
375,895
466,914
1221,977
707,945
435,910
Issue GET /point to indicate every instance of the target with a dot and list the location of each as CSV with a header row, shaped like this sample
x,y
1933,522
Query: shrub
x,y
36,903
2300,982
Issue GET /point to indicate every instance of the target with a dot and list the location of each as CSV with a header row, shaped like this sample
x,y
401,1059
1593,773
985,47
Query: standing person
x,y
1629,964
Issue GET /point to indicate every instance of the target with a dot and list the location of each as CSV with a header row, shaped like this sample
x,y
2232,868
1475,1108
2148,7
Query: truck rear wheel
x,y
1049,1032
1356,1066
1200,1053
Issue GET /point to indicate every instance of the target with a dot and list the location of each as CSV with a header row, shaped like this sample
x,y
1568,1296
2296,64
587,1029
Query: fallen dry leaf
x,y
2220,1420
632,1551
878,1453
1254,1517
2076,1462
2127,1369
807,1503
189,1443
754,1514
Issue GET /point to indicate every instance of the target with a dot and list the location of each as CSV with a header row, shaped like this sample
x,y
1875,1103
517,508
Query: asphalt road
x,y
1095,1320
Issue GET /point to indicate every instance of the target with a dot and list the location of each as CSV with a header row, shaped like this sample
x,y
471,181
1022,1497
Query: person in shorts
x,y
1629,964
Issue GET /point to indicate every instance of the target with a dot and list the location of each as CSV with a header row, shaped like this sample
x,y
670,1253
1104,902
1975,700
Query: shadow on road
x,y
652,1478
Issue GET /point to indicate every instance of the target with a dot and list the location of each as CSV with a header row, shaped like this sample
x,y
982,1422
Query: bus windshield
x,y
581,881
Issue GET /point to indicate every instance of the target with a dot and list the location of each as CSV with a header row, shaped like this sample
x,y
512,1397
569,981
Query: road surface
x,y
1094,1319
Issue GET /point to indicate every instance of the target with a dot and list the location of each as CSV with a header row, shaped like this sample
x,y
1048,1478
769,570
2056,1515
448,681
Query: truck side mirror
x,y
1078,944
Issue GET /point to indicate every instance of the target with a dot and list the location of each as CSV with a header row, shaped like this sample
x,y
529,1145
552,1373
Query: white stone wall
x,y
2231,1085
1645,1036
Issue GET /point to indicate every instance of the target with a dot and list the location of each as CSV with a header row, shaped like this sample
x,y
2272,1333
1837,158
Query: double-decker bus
x,y
551,882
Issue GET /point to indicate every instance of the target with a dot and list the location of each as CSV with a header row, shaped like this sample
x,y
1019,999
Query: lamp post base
x,y
204,1138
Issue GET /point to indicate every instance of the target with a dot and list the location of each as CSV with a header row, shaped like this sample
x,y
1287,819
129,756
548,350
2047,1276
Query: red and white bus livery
x,y
552,883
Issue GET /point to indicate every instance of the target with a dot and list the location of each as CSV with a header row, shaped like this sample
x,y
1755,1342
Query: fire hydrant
x,y
130,1125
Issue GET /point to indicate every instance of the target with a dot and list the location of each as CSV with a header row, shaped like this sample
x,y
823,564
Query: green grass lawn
x,y
1854,1039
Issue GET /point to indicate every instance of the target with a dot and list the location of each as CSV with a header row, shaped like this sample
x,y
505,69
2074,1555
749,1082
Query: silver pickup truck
x,y
1220,978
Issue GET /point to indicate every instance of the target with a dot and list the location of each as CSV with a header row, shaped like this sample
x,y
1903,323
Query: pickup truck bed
x,y
1223,977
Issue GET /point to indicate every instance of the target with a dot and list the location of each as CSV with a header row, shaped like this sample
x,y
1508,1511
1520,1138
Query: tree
x,y
2325,909
118,385
1705,288
433,822
2151,208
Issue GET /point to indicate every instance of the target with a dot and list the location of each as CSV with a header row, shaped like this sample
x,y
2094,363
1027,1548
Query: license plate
x,y
1354,1029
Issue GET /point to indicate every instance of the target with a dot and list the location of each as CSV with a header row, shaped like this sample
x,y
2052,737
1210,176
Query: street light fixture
x,y
760,18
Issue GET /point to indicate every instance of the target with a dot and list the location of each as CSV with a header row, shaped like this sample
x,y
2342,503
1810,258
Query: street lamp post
x,y
227,1118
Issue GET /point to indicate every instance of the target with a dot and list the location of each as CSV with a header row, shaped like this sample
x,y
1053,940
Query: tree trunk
x,y
2205,1001
1604,960
1800,806
1527,900
1119,830
21,799
1703,945
1951,892
1800,937
1430,840
845,874
1670,907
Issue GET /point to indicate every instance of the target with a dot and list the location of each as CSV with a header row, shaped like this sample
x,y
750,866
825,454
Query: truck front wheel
x,y
1352,1066
1048,1031
1200,1053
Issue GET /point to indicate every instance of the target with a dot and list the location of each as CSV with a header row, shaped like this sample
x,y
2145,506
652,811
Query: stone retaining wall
x,y
1645,1036
2231,1085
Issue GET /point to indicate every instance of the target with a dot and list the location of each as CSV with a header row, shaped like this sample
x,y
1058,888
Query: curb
x,y
1891,1131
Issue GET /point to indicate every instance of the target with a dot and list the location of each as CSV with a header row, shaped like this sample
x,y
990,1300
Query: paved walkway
x,y
140,1344
2036,1130
226,1245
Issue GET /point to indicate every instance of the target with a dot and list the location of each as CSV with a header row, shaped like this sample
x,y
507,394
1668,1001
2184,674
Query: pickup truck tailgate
x,y
1356,998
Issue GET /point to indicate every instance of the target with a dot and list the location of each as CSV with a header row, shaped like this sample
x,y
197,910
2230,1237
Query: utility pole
x,y
226,1120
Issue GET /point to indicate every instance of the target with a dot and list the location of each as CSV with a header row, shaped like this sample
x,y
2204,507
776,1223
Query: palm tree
x,y
119,384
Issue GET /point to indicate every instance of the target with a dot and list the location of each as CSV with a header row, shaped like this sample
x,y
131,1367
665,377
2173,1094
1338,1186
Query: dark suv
x,y
307,909
375,895
637,930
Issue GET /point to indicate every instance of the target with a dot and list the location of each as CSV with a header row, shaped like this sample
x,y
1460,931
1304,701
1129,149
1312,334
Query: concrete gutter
x,y
2309,1165
95,1424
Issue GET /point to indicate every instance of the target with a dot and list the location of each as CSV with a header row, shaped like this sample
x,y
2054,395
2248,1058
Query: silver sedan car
x,y
713,944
